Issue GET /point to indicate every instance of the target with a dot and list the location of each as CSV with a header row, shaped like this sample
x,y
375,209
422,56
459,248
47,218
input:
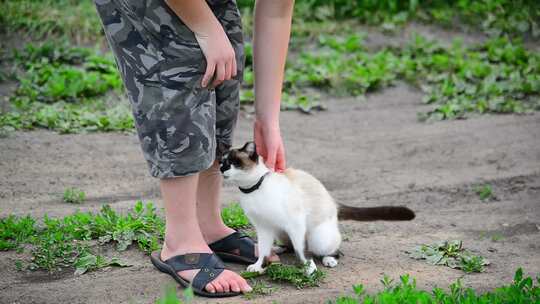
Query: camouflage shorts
x,y
181,126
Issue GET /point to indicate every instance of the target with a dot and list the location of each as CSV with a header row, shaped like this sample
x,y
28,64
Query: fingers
x,y
228,70
271,158
220,74
280,160
233,67
210,68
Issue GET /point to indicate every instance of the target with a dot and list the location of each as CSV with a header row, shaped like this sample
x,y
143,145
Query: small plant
x,y
15,231
234,217
68,242
88,262
170,296
521,290
74,196
484,192
259,288
451,254
295,275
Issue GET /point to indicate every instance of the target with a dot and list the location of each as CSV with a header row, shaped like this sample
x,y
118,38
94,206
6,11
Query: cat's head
x,y
241,164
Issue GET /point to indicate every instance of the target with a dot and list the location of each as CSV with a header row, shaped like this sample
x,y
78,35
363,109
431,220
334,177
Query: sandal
x,y
236,241
209,264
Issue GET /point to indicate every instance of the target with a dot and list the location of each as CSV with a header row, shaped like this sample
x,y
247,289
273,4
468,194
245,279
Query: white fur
x,y
293,204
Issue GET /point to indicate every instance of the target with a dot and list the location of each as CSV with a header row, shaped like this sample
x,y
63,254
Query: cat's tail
x,y
381,213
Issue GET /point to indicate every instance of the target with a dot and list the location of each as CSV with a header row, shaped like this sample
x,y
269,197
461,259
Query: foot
x,y
220,233
255,268
226,281
329,261
311,267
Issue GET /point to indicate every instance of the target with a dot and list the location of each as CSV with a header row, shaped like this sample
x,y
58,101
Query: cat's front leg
x,y
265,239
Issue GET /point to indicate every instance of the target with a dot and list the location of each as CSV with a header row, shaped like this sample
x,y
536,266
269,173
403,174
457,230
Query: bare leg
x,y
182,232
209,207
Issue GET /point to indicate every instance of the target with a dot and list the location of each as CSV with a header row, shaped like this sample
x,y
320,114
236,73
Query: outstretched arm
x,y
270,45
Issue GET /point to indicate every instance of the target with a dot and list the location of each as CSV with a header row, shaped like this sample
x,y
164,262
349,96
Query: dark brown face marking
x,y
243,158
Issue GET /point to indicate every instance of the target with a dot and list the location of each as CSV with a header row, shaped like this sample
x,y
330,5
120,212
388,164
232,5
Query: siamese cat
x,y
294,208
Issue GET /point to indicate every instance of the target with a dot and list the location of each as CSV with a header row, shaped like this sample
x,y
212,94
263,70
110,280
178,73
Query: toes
x,y
225,284
217,286
235,286
243,284
210,288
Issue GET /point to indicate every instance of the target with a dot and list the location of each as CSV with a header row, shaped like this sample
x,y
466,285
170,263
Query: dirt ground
x,y
367,153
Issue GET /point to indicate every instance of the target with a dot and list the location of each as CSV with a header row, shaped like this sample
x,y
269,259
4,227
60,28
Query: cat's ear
x,y
251,151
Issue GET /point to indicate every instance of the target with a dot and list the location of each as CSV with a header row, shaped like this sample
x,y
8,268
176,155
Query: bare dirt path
x,y
366,153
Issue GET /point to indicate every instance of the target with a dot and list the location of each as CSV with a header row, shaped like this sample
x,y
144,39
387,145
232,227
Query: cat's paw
x,y
310,268
329,261
255,268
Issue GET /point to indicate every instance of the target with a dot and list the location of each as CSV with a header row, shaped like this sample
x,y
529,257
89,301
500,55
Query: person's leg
x,y
182,233
209,206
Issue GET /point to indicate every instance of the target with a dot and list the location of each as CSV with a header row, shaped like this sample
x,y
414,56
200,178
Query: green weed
x,y
234,217
170,296
69,241
291,274
260,288
76,20
74,196
485,192
451,254
498,76
89,262
15,231
493,17
64,88
521,290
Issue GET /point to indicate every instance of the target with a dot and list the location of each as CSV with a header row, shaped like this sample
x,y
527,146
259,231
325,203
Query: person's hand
x,y
269,145
220,57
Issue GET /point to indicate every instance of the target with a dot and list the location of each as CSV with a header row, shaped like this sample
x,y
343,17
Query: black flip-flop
x,y
209,264
235,241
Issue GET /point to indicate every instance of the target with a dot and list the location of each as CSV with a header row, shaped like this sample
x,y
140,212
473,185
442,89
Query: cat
x,y
294,208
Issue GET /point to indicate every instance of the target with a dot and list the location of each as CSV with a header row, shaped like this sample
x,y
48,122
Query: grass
x,y
74,196
260,289
484,192
234,217
498,76
76,20
74,89
451,254
73,240
66,89
492,17
291,274
522,290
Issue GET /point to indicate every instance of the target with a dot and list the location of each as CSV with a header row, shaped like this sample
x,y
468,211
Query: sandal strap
x,y
209,272
191,261
234,241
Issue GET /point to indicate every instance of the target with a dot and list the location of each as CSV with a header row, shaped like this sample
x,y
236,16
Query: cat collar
x,y
254,187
